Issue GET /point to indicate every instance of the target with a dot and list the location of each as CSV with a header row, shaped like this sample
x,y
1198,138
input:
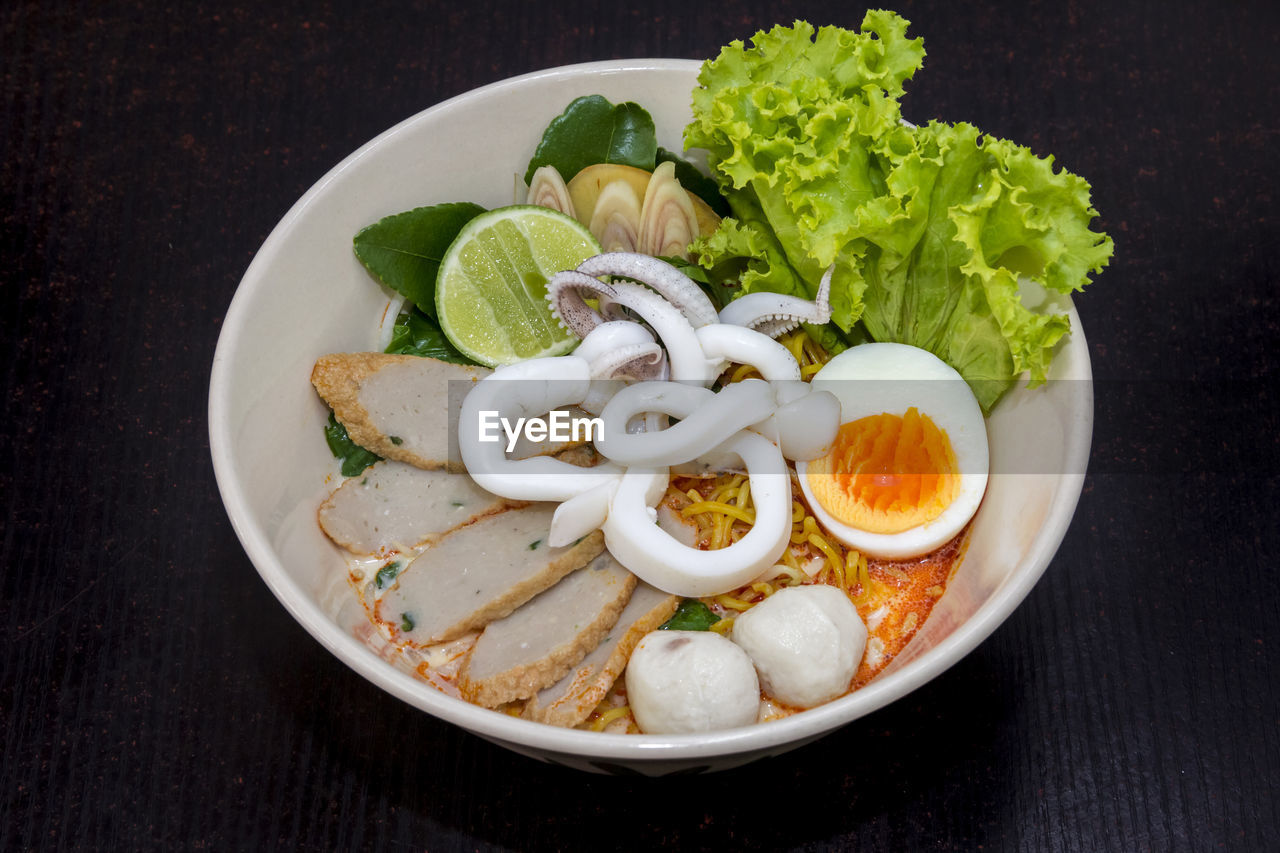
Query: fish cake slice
x,y
402,407
572,699
406,407
397,507
478,573
542,640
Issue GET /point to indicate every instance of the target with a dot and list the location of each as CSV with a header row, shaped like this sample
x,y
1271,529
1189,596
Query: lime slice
x,y
491,291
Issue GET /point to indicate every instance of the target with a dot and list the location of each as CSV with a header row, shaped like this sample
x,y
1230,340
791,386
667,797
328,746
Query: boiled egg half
x,y
909,464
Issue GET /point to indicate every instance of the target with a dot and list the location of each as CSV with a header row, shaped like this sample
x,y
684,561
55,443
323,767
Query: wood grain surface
x,y
153,693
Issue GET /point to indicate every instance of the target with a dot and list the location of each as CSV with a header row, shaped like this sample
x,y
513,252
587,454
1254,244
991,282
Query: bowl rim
x,y
526,733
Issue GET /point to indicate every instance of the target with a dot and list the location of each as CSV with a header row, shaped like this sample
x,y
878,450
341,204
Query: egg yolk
x,y
887,473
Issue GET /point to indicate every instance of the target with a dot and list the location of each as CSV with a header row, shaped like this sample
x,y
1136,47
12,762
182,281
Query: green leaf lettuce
x,y
929,228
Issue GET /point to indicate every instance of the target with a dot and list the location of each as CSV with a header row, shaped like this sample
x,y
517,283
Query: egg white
x,y
872,379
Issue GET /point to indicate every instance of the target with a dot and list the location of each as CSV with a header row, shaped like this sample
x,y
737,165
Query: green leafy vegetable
x,y
406,622
978,212
417,334
592,130
354,457
940,238
404,251
386,574
691,615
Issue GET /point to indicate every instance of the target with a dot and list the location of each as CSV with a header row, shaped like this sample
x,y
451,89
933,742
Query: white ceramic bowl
x,y
305,295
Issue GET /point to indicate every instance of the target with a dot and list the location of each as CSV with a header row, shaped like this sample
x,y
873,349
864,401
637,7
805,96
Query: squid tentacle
x,y
673,285
687,361
564,293
775,314
623,350
642,362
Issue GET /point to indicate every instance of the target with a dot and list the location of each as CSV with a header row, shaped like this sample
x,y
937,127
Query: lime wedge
x,y
491,291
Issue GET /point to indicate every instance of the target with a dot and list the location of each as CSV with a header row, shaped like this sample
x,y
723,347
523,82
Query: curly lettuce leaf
x,y
1030,222
783,98
794,127
934,231
980,214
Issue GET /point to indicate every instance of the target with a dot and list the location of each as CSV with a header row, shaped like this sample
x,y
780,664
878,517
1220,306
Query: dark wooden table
x,y
155,695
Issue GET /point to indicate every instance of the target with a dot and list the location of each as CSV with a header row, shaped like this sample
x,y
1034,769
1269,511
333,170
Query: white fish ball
x,y
680,682
806,643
